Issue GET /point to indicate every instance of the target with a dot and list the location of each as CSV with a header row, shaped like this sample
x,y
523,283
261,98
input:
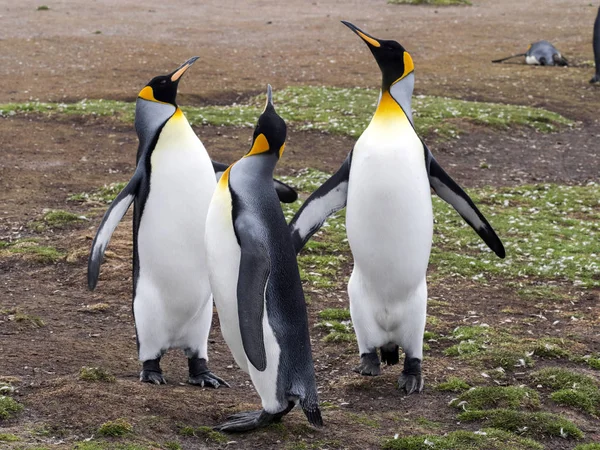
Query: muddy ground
x,y
58,55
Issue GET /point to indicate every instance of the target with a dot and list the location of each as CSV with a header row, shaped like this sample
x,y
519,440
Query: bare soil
x,y
57,55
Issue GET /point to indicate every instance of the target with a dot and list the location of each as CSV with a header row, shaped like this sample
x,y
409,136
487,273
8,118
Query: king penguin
x,y
171,189
384,183
256,284
540,53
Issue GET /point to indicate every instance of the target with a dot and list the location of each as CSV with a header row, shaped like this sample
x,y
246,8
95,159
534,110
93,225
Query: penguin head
x,y
163,89
270,132
393,59
156,103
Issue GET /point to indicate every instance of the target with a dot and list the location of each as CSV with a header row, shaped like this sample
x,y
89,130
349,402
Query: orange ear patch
x,y
260,145
147,94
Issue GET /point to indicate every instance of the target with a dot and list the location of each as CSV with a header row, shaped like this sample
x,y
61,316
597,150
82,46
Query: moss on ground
x,y
486,439
206,433
9,407
453,384
96,374
431,2
31,249
493,397
57,218
115,428
105,194
8,437
538,424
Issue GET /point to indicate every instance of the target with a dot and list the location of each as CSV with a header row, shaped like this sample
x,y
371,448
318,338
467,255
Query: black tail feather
x,y
312,411
390,355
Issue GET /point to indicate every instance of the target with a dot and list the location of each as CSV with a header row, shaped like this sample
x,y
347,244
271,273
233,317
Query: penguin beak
x,y
269,97
175,76
370,40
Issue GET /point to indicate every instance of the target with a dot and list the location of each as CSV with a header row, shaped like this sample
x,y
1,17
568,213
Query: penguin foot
x,y
201,376
251,420
148,376
411,379
595,78
151,372
369,365
207,379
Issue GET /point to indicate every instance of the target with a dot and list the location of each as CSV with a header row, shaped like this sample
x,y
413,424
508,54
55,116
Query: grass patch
x,y
594,363
101,445
95,374
527,423
42,8
587,447
115,428
31,249
453,384
363,420
570,388
7,437
493,397
106,194
9,407
57,218
334,314
487,439
16,315
337,323
206,433
334,110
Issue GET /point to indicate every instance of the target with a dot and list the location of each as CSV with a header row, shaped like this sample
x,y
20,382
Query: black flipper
x,y
508,57
560,60
329,198
449,191
596,43
286,193
255,267
111,219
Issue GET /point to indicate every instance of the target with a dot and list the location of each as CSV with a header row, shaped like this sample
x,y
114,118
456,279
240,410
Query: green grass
x,y
337,323
587,447
206,433
528,423
31,249
102,445
57,219
105,194
8,437
115,428
453,384
493,397
594,363
9,407
570,388
42,8
334,314
334,110
95,374
486,439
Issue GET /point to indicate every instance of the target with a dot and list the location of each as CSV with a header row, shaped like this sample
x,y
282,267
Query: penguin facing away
x,y
171,189
541,53
256,283
384,183
596,44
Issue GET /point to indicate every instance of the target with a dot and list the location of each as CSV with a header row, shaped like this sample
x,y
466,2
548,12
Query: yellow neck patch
x,y
409,66
281,150
388,110
224,180
261,145
147,94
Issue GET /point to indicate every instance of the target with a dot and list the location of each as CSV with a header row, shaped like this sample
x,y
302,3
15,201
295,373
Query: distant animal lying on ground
x,y
541,53
596,44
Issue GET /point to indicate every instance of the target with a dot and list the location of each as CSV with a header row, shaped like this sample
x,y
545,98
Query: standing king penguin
x,y
596,45
385,185
256,284
171,190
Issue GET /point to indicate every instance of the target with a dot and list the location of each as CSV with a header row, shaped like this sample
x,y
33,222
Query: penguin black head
x,y
393,59
270,132
163,89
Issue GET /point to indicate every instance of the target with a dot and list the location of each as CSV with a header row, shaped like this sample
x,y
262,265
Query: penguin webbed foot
x,y
251,420
207,379
369,365
411,379
201,376
151,372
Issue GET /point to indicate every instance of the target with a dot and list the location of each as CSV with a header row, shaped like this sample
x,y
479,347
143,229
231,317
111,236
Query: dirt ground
x,y
110,49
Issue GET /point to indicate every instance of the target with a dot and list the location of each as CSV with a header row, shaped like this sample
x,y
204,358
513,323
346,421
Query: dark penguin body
x,y
385,183
171,190
596,44
541,53
255,280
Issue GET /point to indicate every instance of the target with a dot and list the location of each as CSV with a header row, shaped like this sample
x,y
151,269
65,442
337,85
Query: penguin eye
x,y
163,82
